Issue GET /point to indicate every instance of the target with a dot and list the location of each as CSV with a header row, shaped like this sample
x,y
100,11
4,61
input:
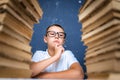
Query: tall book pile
x,y
101,34
17,19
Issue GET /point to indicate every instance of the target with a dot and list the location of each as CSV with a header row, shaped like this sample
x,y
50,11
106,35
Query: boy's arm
x,y
75,72
37,67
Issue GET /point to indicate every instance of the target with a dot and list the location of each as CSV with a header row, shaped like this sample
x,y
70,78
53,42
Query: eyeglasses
x,y
53,34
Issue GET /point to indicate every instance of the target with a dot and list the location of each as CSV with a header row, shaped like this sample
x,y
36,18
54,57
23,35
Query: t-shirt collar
x,y
47,53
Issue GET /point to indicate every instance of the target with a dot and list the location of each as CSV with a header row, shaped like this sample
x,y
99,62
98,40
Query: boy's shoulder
x,y
40,52
68,52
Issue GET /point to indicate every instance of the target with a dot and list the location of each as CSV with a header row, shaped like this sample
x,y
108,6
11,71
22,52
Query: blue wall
x,y
65,13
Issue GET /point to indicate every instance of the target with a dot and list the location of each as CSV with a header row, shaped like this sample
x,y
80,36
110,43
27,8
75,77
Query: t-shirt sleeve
x,y
71,58
36,56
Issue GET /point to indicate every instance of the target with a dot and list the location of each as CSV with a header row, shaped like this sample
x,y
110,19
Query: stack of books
x,y
101,34
17,19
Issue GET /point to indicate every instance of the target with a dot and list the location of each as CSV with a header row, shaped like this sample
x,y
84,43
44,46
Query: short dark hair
x,y
57,25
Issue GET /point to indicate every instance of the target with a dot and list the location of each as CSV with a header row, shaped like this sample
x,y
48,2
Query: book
x,y
37,7
103,34
5,8
102,57
103,46
100,75
11,22
7,73
6,30
14,53
111,5
109,16
103,40
104,76
115,76
92,7
31,10
110,65
101,28
11,63
5,38
23,13
27,9
86,4
112,47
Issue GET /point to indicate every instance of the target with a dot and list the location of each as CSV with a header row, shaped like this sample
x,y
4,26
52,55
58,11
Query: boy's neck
x,y
51,52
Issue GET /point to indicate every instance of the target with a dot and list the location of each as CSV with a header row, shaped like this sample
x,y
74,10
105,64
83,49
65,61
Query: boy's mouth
x,y
56,41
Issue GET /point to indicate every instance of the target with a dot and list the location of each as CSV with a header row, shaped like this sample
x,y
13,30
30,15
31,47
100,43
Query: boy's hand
x,y
59,49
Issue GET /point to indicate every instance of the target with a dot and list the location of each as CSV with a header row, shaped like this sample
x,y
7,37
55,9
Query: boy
x,y
55,62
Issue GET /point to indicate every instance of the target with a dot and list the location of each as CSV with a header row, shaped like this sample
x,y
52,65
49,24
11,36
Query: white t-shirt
x,y
66,60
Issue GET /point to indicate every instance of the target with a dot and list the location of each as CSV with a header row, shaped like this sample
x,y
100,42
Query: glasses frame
x,y
56,33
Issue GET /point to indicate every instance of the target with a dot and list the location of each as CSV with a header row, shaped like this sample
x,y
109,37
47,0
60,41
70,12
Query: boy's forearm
x,y
67,74
38,67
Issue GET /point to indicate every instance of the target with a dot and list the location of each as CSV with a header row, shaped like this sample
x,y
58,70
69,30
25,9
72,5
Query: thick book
x,y
110,65
99,76
113,47
92,7
25,7
111,5
10,32
5,38
28,7
114,76
37,7
21,10
103,46
114,34
103,34
104,76
107,17
14,53
86,4
16,25
8,9
11,63
7,73
102,57
102,28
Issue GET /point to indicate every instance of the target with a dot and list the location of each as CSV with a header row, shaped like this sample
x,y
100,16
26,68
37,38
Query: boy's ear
x,y
45,39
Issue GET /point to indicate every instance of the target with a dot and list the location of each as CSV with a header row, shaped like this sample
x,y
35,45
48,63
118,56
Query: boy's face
x,y
55,36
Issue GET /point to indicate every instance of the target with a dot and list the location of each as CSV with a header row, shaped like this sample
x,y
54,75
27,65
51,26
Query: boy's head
x,y
55,35
56,25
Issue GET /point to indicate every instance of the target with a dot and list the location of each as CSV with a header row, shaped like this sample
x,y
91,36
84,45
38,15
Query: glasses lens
x,y
53,34
61,34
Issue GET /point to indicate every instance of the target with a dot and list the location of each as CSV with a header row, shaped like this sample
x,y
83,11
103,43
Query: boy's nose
x,y
57,35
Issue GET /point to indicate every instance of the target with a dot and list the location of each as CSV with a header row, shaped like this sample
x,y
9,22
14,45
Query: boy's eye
x,y
52,33
61,35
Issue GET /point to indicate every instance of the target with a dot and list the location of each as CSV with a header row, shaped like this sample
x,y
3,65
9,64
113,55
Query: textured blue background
x,y
65,13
